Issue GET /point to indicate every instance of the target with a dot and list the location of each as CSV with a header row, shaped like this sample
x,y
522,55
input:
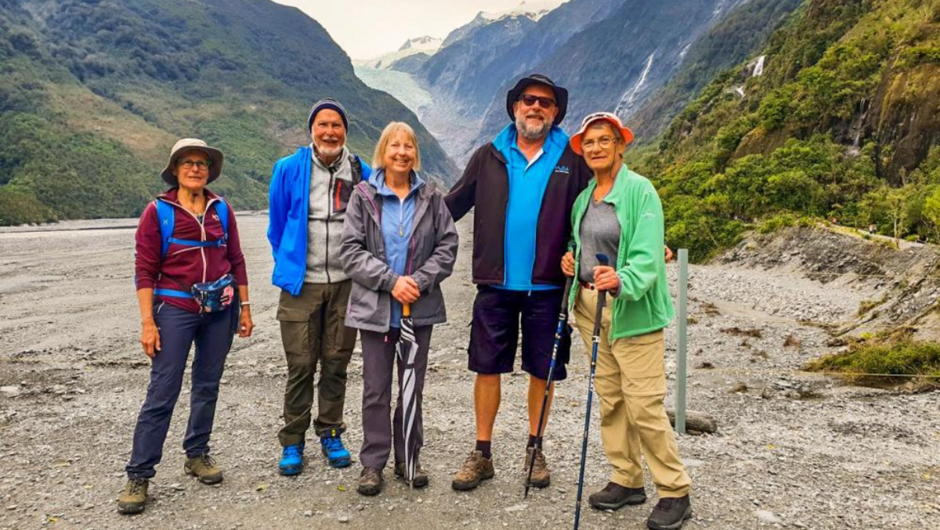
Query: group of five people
x,y
356,247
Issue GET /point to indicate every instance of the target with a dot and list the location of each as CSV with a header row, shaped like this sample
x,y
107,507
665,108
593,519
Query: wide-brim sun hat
x,y
561,95
593,118
192,144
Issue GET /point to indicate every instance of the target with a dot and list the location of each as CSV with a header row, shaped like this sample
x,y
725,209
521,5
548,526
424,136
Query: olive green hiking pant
x,y
314,332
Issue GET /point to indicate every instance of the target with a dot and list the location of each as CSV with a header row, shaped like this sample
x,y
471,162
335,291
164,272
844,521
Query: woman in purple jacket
x,y
192,287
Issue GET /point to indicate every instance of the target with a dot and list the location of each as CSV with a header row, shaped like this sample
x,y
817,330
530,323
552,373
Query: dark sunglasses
x,y
529,100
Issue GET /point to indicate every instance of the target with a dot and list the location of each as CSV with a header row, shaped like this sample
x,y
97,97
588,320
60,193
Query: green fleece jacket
x,y
643,304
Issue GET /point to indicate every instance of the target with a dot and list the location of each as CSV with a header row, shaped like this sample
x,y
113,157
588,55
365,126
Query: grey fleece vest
x,y
325,221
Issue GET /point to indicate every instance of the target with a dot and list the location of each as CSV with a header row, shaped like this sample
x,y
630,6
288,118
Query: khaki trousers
x,y
631,383
314,332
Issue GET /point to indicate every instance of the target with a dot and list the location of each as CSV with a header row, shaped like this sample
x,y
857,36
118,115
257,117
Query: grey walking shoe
x,y
370,481
421,478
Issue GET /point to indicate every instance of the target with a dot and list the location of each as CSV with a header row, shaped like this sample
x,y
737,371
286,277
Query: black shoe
x,y
614,496
670,513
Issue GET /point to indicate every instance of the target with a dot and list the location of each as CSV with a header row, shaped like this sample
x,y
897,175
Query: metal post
x,y
681,354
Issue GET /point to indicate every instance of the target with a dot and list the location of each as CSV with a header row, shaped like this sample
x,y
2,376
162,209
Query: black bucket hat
x,y
561,94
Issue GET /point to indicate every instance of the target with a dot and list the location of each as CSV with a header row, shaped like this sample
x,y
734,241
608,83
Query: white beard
x,y
328,152
532,133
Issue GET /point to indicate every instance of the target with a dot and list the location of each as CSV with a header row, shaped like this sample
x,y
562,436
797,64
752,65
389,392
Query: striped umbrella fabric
x,y
407,352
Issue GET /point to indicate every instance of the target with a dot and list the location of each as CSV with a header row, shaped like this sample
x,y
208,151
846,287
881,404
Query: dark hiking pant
x,y
313,331
379,357
179,329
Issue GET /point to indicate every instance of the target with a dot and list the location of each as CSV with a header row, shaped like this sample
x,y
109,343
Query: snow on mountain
x,y
426,45
535,10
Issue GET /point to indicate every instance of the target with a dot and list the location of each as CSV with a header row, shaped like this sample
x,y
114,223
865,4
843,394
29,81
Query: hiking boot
x,y
541,476
476,468
614,496
370,481
421,478
204,468
134,496
292,460
334,451
670,513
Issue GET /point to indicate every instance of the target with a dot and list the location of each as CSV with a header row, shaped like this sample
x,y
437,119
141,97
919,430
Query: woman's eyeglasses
x,y
604,143
198,164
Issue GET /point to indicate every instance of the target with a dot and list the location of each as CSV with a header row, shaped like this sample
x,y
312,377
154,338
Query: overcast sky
x,y
366,28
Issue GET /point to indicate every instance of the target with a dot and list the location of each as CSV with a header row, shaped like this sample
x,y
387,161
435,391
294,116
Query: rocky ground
x,y
794,450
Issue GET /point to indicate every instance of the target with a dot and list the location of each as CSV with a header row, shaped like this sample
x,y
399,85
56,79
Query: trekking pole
x,y
562,322
601,299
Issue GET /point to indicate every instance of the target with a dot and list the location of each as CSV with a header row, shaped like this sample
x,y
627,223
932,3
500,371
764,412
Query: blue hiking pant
x,y
179,329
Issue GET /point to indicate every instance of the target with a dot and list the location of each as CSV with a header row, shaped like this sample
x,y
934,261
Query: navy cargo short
x,y
494,332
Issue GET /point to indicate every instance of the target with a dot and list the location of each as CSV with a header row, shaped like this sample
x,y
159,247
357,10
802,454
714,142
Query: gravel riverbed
x,y
794,450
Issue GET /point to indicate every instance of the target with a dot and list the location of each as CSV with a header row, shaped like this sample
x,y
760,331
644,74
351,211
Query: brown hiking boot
x,y
204,468
475,469
370,481
133,497
541,476
421,478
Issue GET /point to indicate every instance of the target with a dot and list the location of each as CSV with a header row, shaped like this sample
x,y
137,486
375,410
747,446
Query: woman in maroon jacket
x,y
192,286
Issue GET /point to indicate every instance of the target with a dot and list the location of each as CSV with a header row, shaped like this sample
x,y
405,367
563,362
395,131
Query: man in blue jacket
x,y
522,186
307,203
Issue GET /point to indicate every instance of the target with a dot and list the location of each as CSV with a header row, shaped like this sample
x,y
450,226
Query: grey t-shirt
x,y
600,233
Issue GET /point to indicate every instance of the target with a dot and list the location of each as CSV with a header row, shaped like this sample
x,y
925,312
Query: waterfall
x,y
759,67
626,101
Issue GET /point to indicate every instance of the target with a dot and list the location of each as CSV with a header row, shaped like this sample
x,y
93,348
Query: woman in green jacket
x,y
619,214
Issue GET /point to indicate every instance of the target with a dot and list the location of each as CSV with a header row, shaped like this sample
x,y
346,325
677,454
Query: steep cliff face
x,y
903,119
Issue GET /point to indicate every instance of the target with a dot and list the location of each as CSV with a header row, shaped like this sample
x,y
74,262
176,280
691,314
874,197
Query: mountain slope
x,y
843,123
450,74
467,76
617,62
742,33
95,92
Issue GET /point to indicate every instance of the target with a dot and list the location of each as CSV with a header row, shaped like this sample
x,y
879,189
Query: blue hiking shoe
x,y
334,451
292,460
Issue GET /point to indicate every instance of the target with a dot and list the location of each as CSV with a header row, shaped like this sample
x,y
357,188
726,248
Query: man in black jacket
x,y
523,185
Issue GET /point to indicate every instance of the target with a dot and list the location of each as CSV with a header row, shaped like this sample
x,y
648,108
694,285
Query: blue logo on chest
x,y
562,169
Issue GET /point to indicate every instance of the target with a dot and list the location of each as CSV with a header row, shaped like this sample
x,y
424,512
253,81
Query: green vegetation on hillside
x,y
93,93
842,124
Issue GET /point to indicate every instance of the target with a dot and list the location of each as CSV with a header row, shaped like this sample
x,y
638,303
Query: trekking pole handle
x,y
603,261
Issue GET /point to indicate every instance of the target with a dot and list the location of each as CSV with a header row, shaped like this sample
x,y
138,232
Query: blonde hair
x,y
391,130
